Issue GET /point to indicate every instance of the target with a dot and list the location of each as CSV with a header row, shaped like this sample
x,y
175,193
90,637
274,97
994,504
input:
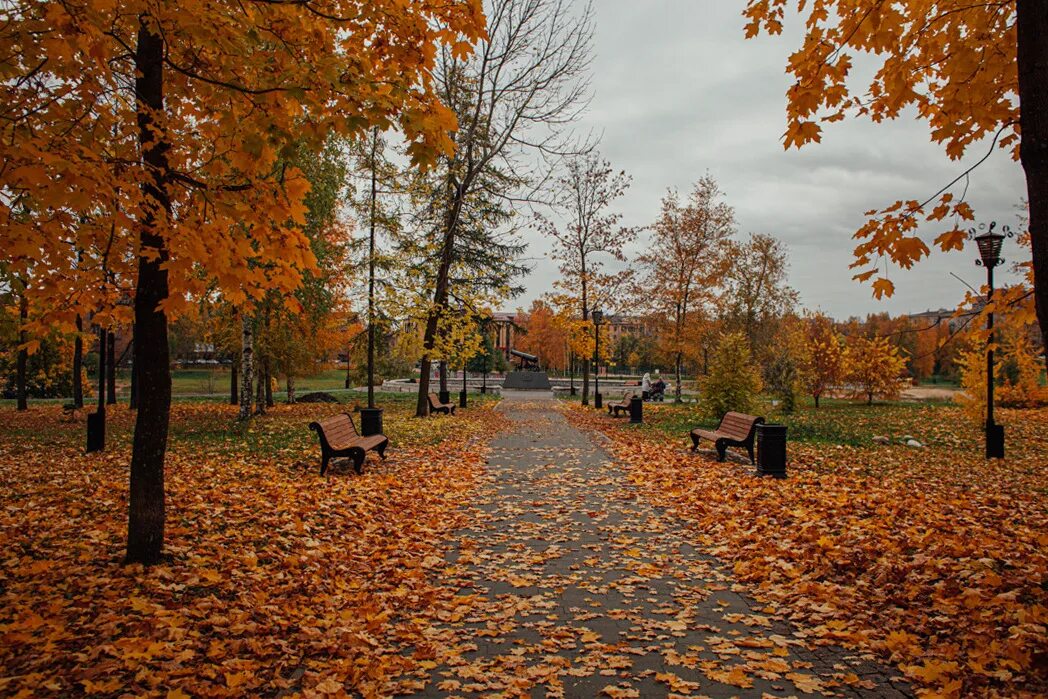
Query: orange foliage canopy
x,y
243,81
953,61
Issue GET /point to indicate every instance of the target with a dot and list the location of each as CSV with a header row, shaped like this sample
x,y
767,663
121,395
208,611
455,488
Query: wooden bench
x,y
435,406
339,438
735,430
624,404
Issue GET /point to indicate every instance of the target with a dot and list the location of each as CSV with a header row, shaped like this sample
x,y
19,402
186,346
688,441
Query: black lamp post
x,y
989,243
371,417
598,318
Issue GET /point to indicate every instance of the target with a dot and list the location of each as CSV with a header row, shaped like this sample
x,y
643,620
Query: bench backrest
x,y
739,425
434,401
336,429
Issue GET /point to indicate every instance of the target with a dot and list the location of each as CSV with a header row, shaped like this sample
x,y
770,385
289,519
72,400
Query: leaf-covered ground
x,y
439,573
935,559
277,578
570,585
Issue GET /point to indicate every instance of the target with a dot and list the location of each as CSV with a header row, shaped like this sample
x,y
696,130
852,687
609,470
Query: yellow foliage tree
x,y
825,356
873,368
152,138
734,382
1017,372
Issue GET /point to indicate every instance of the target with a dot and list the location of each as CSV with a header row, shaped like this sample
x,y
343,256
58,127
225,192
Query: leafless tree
x,y
514,96
590,234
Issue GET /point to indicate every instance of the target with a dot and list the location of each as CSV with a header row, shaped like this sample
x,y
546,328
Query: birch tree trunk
x,y
247,366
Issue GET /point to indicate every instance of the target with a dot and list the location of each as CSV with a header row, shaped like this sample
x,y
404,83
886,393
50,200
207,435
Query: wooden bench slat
x,y
623,404
435,406
339,437
735,430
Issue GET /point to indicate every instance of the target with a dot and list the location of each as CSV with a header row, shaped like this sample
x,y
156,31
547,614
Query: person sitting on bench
x,y
658,389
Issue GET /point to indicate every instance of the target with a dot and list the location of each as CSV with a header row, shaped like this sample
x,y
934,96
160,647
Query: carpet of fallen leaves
x,y
935,559
570,584
278,578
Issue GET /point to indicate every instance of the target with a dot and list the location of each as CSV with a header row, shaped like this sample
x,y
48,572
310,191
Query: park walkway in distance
x,y
573,586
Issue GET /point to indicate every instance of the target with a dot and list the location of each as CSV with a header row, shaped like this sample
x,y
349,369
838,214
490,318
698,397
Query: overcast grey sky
x,y
678,91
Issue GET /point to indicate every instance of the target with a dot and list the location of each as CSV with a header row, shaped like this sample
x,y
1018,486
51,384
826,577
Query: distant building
x,y
943,316
506,327
620,326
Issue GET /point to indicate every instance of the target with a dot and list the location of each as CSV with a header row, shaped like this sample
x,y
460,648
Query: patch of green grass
x,y
834,422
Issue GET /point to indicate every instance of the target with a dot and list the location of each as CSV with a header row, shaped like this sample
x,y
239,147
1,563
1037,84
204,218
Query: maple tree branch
x,y
186,179
228,85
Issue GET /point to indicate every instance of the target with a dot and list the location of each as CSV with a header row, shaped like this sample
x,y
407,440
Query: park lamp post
x,y
598,318
989,243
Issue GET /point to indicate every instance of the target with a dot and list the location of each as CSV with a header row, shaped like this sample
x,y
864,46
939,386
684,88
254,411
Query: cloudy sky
x,y
678,92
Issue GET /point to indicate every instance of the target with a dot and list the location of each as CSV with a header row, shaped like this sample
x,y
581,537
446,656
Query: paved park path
x,y
574,586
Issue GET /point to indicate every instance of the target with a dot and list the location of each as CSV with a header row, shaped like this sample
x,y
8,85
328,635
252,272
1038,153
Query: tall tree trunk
x,y
260,389
233,398
111,368
21,389
290,387
269,384
78,364
440,299
585,360
676,387
103,363
1032,53
443,376
247,365
816,400
145,528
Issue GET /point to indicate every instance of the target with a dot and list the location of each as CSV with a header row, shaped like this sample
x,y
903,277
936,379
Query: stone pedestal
x,y
527,381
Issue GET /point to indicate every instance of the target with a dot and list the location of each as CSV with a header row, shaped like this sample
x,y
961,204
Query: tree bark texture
x,y
677,373
233,398
440,300
585,317
145,528
269,383
247,366
21,389
290,388
78,364
111,368
1032,53
260,390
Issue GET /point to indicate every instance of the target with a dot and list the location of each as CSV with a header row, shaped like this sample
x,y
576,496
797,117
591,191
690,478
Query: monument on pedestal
x,y
529,376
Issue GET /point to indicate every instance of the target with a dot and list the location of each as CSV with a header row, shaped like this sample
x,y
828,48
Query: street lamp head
x,y
598,317
989,243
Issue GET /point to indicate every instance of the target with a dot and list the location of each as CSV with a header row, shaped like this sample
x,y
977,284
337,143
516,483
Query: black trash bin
x,y
771,450
636,410
370,421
